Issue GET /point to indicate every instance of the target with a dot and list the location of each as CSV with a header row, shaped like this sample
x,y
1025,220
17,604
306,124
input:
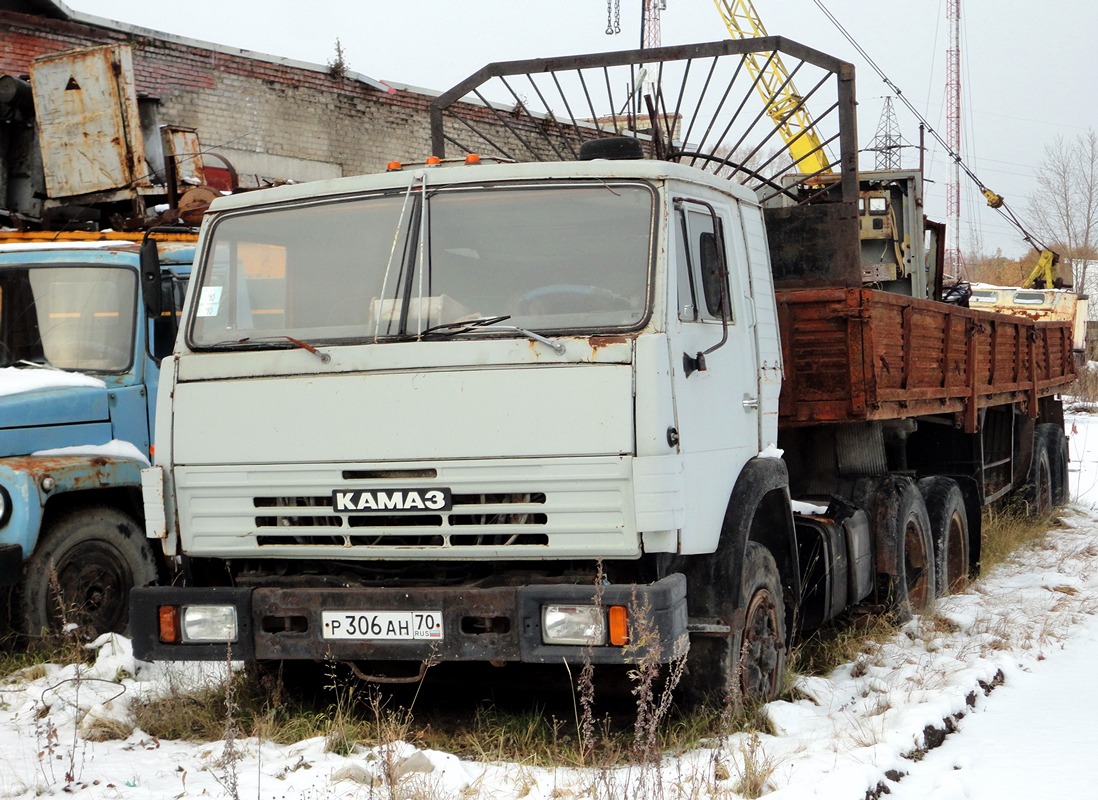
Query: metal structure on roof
x,y
707,111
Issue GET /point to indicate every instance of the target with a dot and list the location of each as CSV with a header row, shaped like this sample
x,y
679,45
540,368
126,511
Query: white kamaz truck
x,y
528,404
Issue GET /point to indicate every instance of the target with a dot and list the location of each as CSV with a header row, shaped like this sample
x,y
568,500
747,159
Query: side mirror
x,y
150,277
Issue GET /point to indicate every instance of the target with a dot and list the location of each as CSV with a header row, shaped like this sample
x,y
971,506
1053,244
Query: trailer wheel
x,y
1037,494
747,664
945,507
82,571
1056,444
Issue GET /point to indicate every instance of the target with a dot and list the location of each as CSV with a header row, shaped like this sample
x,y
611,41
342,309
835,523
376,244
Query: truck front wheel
x,y
82,571
762,641
745,664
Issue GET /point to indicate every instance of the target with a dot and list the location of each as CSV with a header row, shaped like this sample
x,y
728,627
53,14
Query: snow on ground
x,y
1006,665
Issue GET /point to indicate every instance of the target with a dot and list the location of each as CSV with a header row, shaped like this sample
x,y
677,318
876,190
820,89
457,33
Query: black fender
x,y
880,497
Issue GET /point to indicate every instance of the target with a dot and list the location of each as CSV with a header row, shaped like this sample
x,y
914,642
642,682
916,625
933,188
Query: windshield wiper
x,y
490,324
462,326
552,344
324,357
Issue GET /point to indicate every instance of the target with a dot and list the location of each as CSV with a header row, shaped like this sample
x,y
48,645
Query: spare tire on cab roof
x,y
613,147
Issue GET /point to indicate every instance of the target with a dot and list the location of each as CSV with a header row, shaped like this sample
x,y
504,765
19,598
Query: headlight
x,y
5,506
573,625
209,624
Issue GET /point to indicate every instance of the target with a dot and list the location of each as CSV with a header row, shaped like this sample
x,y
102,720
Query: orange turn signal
x,y
619,626
169,624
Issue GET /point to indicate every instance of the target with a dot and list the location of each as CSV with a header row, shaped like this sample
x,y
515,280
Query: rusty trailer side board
x,y
864,354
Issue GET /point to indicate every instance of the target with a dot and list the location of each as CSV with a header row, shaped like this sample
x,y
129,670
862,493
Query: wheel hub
x,y
762,645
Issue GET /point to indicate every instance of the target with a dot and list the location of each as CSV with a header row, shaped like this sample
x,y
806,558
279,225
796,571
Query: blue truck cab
x,y
80,350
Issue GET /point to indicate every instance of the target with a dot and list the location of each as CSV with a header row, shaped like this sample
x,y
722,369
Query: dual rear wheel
x,y
923,537
1046,485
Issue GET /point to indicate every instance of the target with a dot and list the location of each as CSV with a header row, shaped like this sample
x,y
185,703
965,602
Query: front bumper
x,y
479,624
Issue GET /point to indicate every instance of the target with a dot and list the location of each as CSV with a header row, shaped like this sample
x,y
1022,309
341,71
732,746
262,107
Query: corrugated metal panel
x,y
88,121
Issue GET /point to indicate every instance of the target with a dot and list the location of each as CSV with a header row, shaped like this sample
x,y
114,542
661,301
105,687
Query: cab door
x,y
713,359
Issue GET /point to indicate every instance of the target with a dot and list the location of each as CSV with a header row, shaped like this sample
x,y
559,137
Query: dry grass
x,y
356,714
28,655
1084,392
857,642
105,729
755,769
196,715
1005,531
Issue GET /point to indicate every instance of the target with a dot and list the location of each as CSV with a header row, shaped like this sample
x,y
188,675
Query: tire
x,y
905,563
82,571
762,641
1036,495
747,665
1056,444
945,508
612,147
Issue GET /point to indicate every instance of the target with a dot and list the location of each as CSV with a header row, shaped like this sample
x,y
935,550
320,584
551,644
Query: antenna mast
x,y
954,260
650,23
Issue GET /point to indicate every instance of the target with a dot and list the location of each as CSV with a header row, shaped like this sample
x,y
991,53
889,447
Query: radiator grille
x,y
545,508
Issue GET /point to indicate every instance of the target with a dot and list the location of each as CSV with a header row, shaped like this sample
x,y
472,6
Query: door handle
x,y
750,403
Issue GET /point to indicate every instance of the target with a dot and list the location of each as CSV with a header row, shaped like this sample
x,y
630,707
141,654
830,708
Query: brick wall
x,y
244,103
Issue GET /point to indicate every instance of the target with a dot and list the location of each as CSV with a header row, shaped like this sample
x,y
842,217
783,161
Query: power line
x,y
994,200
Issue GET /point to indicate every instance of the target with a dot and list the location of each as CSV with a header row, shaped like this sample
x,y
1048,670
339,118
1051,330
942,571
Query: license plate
x,y
382,625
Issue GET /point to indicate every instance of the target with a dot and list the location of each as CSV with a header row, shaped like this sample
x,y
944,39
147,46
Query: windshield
x,y
561,258
72,318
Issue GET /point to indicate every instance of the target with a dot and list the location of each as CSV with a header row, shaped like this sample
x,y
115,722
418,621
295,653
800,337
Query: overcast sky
x,y
1026,69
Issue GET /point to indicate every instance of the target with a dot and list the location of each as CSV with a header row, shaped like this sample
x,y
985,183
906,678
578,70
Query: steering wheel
x,y
565,297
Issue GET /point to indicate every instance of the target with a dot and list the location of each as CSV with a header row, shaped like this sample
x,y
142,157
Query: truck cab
x,y
517,384
79,363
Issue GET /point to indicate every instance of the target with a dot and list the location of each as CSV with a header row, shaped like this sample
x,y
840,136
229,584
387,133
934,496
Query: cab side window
x,y
700,266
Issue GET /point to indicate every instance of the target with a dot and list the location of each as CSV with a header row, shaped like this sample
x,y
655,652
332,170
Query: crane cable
x,y
994,200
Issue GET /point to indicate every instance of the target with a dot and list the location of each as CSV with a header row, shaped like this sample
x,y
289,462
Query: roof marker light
x,y
394,166
472,158
433,161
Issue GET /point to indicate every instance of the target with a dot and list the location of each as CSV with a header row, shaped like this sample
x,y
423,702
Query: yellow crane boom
x,y
775,84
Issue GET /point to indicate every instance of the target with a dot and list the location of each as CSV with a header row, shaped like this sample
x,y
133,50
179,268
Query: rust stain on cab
x,y
605,340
